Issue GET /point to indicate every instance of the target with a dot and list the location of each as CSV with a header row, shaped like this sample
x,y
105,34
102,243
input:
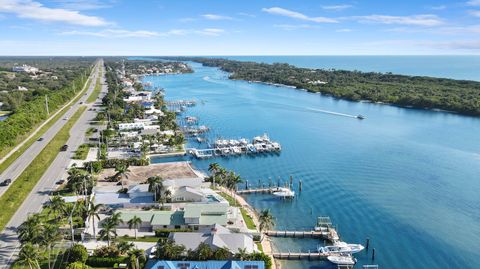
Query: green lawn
x,y
96,91
39,134
23,185
82,152
259,246
248,220
229,198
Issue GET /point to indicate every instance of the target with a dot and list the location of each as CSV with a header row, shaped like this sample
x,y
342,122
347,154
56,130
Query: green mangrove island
x,y
461,96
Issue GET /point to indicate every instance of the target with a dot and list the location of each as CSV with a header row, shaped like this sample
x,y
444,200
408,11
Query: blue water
x,y
407,179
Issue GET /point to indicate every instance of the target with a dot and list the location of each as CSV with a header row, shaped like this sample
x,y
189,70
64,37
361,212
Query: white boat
x,y
341,248
284,192
342,259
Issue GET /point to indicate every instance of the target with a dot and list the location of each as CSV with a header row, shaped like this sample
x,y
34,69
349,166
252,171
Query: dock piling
x,y
300,185
373,254
367,244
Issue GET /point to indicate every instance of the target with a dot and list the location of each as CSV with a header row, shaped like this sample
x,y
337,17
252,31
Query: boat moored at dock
x,y
341,248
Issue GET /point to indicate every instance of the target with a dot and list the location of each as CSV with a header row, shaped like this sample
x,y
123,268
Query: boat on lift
x,y
342,259
284,193
341,248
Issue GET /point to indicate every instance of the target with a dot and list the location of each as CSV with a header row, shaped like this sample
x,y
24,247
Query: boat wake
x,y
335,113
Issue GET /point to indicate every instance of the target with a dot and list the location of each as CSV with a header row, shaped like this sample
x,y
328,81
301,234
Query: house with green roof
x,y
193,216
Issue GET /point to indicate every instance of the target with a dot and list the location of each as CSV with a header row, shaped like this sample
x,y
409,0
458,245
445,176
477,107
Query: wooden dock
x,y
260,190
299,255
299,234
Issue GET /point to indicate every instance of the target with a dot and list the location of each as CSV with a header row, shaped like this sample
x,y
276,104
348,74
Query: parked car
x,y
6,182
60,182
64,148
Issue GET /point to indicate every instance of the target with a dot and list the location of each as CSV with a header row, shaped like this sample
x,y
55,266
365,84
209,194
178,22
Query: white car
x,y
153,250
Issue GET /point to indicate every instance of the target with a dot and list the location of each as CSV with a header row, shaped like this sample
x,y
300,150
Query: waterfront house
x,y
216,237
154,264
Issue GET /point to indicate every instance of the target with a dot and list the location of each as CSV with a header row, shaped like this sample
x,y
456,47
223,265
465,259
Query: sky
x,y
221,27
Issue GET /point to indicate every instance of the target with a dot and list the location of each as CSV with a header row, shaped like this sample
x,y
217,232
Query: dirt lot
x,y
139,174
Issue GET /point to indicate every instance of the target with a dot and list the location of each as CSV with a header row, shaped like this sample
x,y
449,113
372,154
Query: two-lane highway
x,y
9,244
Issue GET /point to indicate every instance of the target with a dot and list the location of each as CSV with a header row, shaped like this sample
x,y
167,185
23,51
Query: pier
x,y
298,234
299,255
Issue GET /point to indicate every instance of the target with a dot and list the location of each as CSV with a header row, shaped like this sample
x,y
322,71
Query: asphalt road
x,y
24,160
9,244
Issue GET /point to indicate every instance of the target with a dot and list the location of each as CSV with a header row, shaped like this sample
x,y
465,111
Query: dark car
x,y
64,148
40,139
6,182
60,182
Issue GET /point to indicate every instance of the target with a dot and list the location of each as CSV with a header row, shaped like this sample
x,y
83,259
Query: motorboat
x,y
283,192
341,248
342,259
360,117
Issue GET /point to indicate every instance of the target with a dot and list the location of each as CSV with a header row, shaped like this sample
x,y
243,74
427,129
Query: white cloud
x,y
475,13
216,17
84,4
473,3
290,27
28,9
119,33
337,7
113,33
210,31
297,15
345,30
246,14
417,20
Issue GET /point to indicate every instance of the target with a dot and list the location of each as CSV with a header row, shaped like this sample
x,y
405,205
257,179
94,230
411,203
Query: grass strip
x,y
82,152
39,134
23,185
96,91
248,219
229,199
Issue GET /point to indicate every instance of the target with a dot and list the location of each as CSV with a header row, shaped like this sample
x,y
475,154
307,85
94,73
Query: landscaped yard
x,y
248,220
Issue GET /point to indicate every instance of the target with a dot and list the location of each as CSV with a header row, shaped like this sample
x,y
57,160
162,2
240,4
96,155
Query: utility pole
x,y
46,105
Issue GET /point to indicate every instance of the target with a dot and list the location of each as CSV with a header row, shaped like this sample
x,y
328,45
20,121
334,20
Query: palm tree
x,y
168,195
57,206
125,247
116,220
108,230
204,251
266,221
134,223
121,170
213,168
221,254
30,230
144,149
29,255
242,254
154,184
135,255
50,236
92,213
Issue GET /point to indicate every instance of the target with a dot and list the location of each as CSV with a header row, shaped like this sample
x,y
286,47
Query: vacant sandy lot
x,y
139,174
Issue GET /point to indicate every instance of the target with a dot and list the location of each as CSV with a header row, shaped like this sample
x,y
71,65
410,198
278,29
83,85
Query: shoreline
x,y
266,242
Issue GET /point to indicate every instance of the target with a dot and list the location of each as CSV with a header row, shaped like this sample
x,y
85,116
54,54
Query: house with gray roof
x,y
216,237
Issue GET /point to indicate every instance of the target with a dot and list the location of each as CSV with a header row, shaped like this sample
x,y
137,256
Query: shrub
x,y
107,251
78,253
105,261
77,265
166,232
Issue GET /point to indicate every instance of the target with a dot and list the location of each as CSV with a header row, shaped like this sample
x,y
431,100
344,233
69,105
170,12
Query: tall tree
x,y
155,186
50,235
29,255
135,224
92,214
266,221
